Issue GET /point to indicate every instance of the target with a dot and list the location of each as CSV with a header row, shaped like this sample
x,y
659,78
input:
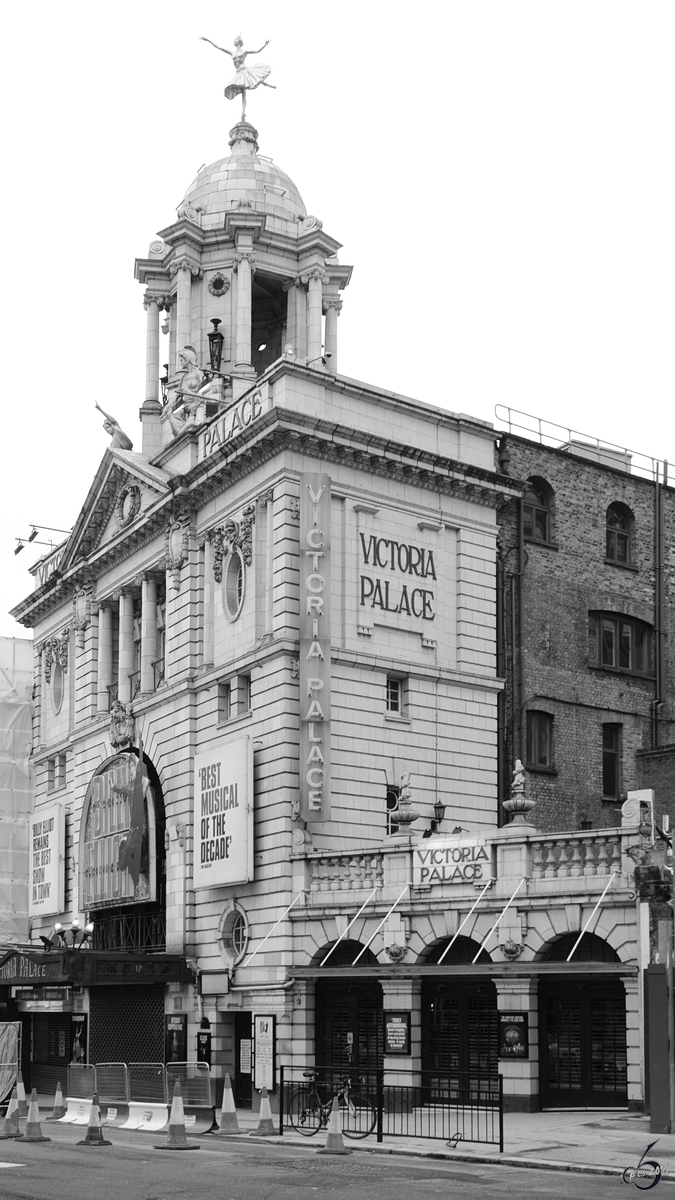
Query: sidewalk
x,y
600,1143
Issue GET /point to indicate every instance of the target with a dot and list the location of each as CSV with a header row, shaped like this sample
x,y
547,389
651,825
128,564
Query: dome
x,y
245,176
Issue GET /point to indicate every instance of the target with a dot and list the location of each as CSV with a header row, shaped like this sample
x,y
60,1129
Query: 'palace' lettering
x,y
417,603
234,421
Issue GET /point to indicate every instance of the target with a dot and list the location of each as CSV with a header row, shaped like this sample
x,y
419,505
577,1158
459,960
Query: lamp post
x,y
75,931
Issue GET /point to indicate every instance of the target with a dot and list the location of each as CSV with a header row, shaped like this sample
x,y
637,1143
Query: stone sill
x,y
610,562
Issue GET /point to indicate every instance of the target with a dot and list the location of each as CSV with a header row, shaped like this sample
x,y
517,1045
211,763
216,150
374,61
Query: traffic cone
x,y
59,1109
9,1124
33,1131
21,1096
94,1131
228,1113
265,1124
12,1116
177,1139
335,1142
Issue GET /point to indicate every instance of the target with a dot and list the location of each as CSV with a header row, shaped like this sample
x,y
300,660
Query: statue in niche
x,y
246,78
120,441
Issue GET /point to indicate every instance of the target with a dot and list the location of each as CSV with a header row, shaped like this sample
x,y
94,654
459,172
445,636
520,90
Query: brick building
x,y
586,626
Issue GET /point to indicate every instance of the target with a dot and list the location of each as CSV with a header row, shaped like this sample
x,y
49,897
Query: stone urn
x,y
518,806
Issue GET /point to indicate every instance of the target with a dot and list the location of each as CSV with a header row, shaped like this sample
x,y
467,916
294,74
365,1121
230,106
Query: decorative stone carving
x,y
332,302
519,805
128,504
122,725
218,285
266,497
239,257
82,614
396,953
510,949
311,222
176,547
56,650
119,441
403,814
183,263
295,668
231,535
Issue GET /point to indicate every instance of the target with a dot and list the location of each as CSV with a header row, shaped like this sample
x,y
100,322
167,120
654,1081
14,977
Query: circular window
x,y
57,686
234,935
234,581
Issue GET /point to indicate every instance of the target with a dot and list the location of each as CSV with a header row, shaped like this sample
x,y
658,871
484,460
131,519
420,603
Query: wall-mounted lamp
x,y
439,813
33,535
74,931
164,382
216,340
319,358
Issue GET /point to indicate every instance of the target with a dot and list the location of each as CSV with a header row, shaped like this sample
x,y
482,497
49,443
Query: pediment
x,y
123,491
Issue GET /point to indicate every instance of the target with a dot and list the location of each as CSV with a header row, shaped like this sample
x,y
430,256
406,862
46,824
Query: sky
x,y
499,172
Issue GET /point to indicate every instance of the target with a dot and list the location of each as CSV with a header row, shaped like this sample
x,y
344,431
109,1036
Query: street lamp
x,y
216,340
75,932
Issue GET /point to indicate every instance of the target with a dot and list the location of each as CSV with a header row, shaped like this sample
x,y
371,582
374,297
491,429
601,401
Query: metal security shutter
x,y
52,1040
583,1044
349,1024
459,1028
126,1024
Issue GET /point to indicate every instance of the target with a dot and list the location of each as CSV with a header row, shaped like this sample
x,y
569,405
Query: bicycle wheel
x,y
304,1111
358,1114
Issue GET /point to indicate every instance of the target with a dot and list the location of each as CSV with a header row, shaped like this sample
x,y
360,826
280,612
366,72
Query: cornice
x,y
276,431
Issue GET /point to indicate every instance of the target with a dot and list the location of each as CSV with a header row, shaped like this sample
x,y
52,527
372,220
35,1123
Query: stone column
x,y
208,603
316,279
634,1042
105,658
148,635
126,647
331,307
151,305
183,302
300,303
518,994
242,342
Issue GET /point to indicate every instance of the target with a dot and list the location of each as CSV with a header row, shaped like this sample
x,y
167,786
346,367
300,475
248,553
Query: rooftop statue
x,y
246,78
120,441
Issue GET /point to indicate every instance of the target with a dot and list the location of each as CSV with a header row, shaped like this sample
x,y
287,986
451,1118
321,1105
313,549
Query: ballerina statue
x,y
247,78
120,441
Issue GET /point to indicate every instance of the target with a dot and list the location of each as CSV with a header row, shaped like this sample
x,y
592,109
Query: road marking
x,y
11,1165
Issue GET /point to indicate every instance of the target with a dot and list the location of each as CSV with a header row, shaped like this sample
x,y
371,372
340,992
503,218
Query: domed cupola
x,y
246,277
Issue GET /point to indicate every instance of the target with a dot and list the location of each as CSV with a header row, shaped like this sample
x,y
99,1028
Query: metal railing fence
x,y
456,1106
195,1082
147,1083
112,1082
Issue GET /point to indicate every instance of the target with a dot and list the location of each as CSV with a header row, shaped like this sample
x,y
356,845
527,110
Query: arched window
x,y
619,535
537,511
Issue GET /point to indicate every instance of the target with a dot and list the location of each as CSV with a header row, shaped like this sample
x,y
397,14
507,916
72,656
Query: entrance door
x,y
243,1065
349,1025
582,1049
459,1031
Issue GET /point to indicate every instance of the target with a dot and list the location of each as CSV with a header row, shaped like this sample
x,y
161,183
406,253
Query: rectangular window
x,y
620,644
244,693
539,748
56,772
224,701
393,794
396,696
611,761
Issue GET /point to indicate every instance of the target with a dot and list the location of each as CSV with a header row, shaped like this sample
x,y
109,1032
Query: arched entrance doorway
x,y
348,1015
459,1016
582,1030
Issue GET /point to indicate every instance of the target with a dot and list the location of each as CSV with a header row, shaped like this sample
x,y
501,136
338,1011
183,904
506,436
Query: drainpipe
x,y
501,697
521,628
658,604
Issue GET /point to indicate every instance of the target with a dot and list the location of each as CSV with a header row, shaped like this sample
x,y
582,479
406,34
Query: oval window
x,y
234,585
234,934
57,686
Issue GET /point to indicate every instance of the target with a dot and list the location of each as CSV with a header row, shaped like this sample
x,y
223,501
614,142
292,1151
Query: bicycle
x,y
308,1112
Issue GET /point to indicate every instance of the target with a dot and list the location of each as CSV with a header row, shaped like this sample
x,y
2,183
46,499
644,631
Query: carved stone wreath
x,y
82,614
55,649
230,536
175,558
128,504
218,285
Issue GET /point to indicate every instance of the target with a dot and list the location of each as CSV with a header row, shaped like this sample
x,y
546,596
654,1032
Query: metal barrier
x,y
81,1080
112,1083
460,1106
195,1082
147,1083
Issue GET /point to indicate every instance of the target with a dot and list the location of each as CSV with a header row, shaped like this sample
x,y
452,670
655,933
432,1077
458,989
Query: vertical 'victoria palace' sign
x,y
315,668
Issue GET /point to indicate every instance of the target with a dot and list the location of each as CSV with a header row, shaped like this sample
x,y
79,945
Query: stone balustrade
x,y
573,855
345,873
